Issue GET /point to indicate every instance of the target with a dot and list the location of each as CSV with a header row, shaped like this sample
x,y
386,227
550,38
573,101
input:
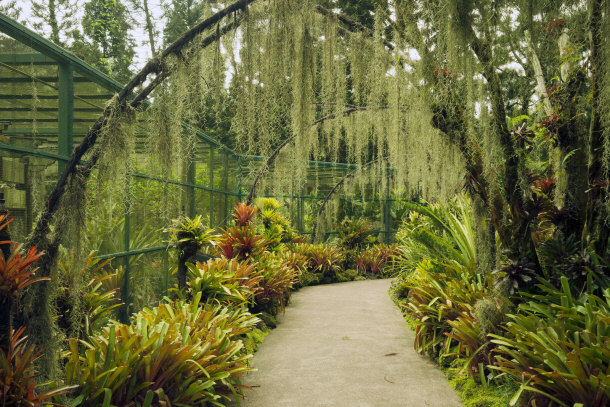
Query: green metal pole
x,y
387,218
126,246
65,117
190,179
238,179
226,188
211,175
300,215
166,239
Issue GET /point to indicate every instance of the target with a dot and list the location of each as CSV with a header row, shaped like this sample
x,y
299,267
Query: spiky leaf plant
x,y
83,306
16,274
278,279
354,234
18,386
244,213
225,281
557,347
241,242
177,354
189,236
321,259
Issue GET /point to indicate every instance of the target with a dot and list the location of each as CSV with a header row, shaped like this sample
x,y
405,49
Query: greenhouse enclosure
x,y
50,98
179,179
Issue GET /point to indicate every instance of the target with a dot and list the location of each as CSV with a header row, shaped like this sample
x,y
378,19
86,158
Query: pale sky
x,y
138,32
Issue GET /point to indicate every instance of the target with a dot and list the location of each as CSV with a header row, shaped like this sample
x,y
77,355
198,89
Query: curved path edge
x,y
344,344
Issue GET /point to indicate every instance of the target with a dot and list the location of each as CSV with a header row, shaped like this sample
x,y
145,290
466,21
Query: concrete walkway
x,y
344,345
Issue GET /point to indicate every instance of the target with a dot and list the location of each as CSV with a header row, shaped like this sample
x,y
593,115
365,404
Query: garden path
x,y
344,345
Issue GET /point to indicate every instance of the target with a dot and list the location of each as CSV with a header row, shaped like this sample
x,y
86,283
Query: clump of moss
x,y
348,275
254,338
478,395
268,320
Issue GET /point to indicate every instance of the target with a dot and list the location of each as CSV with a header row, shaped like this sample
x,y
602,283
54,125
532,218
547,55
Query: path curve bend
x,y
344,345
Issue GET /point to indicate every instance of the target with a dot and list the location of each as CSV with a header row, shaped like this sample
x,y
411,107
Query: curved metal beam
x,y
289,140
336,188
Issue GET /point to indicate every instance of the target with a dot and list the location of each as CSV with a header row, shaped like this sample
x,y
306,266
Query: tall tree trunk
x,y
572,145
53,22
596,210
512,190
149,28
540,82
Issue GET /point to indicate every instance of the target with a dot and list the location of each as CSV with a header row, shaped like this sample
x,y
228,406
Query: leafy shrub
x,y
225,281
557,346
295,260
268,204
354,234
189,236
321,259
18,385
16,274
241,242
175,354
277,281
437,298
375,261
274,225
243,214
567,259
439,234
515,275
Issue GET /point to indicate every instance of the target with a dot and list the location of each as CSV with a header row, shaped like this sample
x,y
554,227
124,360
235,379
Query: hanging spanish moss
x,y
116,143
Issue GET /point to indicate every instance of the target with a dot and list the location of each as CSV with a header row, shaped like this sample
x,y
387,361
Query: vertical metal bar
x,y
65,117
190,179
300,215
387,217
226,188
238,179
211,175
165,239
126,259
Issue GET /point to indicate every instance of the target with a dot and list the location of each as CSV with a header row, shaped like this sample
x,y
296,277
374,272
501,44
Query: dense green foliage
x,y
507,100
549,344
187,353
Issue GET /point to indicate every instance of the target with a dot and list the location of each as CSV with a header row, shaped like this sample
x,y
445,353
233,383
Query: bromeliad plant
x,y
244,214
18,386
278,279
189,236
241,243
558,347
16,274
175,354
375,262
225,281
354,234
323,260
274,225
